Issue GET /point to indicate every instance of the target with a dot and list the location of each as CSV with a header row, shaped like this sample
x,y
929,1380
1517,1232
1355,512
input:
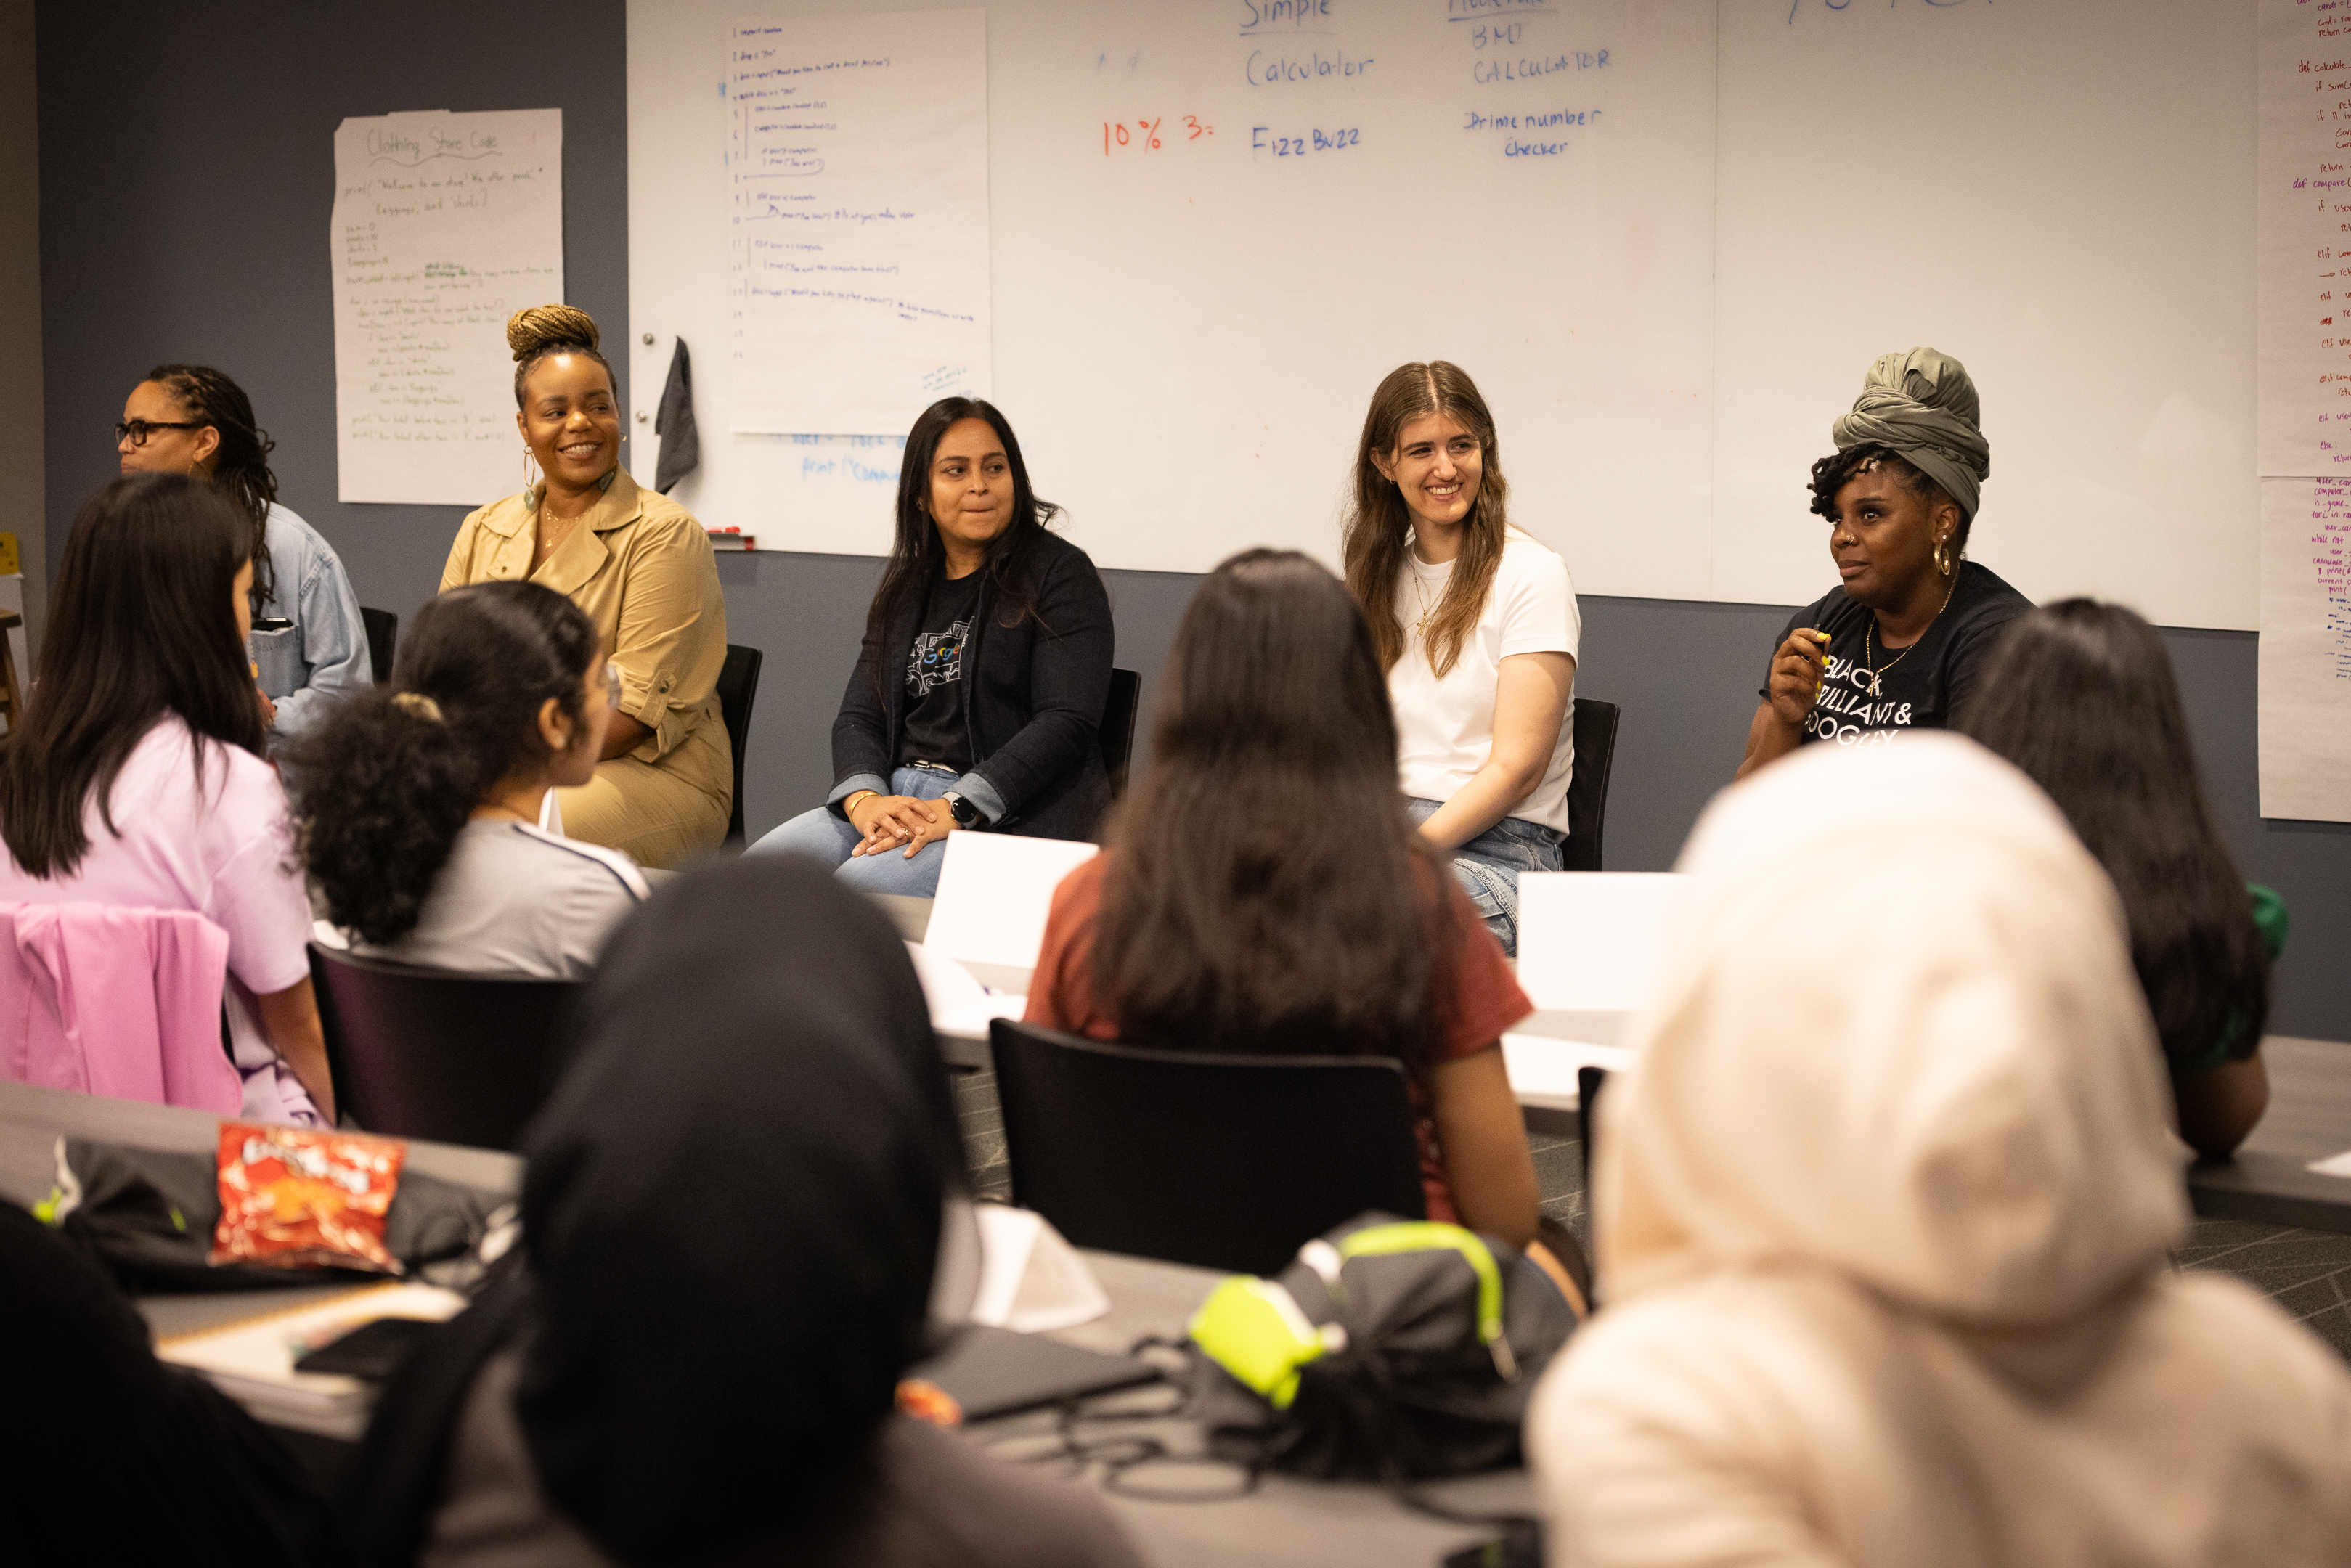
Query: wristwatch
x,y
965,814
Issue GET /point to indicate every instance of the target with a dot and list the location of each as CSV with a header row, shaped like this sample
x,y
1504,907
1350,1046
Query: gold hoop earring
x,y
1944,564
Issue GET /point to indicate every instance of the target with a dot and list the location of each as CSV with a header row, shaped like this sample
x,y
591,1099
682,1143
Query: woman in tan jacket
x,y
642,568
1883,1213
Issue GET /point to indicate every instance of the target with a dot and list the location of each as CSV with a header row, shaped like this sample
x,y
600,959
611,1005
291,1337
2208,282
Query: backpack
x,y
1390,1350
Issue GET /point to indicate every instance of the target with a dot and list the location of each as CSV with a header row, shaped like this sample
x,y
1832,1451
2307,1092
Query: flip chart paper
x,y
2306,649
443,226
857,232
2304,233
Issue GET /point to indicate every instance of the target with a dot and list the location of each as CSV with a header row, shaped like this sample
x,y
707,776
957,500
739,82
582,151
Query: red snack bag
x,y
295,1198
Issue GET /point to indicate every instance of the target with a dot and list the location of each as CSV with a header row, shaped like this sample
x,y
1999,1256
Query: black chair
x,y
425,1053
1587,782
738,688
1117,732
1224,1161
383,640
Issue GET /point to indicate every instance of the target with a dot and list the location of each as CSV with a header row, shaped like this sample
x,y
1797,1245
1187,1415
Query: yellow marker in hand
x,y
1821,677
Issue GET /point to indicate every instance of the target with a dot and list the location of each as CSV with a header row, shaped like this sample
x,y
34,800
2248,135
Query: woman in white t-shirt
x,y
421,800
136,778
1476,626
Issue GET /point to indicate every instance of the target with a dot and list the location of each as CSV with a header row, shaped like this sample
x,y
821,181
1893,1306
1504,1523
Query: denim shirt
x,y
305,667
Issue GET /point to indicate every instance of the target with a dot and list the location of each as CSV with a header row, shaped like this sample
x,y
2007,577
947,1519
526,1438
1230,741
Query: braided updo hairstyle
x,y
543,330
240,464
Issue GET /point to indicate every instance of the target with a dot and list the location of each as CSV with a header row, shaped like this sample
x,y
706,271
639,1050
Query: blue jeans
x,y
825,835
1487,866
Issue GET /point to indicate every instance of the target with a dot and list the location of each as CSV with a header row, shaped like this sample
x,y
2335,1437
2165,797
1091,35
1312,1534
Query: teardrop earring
x,y
529,478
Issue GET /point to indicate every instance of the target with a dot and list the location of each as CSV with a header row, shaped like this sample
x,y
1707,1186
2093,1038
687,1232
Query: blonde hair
x,y
538,330
1378,534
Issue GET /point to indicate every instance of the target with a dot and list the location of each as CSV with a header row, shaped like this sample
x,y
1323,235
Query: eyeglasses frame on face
x,y
137,431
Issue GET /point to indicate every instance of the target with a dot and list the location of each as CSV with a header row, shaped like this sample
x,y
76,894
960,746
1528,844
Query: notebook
x,y
252,1361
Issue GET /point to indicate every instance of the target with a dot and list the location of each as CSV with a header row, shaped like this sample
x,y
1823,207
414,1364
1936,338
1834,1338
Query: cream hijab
x,y
1901,1040
1882,1210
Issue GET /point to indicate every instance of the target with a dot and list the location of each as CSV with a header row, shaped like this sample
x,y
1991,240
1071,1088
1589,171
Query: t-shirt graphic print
x,y
1872,693
936,659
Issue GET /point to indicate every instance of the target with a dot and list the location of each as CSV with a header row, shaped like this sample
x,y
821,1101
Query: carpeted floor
x,y
2306,1272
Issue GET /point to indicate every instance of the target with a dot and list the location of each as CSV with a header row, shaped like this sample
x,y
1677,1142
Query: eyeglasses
x,y
137,431
612,686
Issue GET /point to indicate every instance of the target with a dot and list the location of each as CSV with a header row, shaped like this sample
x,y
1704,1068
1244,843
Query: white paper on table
x,y
443,226
995,891
959,1004
1542,1069
1595,941
1031,1280
2333,1165
857,224
2306,648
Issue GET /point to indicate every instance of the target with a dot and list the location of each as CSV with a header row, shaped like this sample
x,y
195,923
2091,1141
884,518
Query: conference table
x,y
2267,1181
1281,1522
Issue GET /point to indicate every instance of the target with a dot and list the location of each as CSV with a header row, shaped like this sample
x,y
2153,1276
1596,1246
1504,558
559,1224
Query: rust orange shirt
x,y
1477,996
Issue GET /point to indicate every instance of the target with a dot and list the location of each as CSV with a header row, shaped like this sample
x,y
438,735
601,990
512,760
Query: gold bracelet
x,y
850,805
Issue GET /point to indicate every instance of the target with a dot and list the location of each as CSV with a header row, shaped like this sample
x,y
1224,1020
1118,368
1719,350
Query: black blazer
x,y
1032,697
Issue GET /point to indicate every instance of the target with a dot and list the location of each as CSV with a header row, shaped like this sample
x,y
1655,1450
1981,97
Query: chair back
x,y
426,1053
384,641
1223,1162
1587,782
1117,732
738,688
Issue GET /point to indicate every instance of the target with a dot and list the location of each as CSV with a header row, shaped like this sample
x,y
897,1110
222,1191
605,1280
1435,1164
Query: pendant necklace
x,y
1869,660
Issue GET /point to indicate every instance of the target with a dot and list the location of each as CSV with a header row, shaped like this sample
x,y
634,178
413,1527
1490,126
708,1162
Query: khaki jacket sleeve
x,y
671,642
459,570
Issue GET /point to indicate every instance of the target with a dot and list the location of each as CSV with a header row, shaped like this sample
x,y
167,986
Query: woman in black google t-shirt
x,y
1897,644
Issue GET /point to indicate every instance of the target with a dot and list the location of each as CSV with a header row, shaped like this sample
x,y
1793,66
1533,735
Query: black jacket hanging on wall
x,y
681,450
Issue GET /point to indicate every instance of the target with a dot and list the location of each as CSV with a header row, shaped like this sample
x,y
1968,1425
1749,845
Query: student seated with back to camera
x,y
978,692
739,1244
1883,1212
1263,891
2081,697
137,779
420,800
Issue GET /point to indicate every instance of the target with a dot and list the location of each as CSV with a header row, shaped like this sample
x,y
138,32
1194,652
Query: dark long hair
x,y
389,780
916,551
1266,891
1378,535
241,462
2081,697
142,623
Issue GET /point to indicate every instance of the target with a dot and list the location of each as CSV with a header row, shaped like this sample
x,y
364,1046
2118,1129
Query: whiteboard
x,y
1665,311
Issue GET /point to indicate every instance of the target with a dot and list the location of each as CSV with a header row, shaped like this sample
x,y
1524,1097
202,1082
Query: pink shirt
x,y
226,853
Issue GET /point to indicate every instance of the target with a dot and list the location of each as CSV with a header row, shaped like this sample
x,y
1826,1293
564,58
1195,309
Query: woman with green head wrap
x,y
1897,644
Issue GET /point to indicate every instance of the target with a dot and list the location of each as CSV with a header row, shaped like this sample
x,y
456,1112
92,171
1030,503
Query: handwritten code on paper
x,y
443,226
857,227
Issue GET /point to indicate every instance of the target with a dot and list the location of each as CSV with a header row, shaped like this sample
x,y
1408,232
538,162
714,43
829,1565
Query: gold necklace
x,y
1427,609
1869,660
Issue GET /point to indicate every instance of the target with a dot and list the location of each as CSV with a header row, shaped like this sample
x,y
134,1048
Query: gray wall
x,y
186,177
20,300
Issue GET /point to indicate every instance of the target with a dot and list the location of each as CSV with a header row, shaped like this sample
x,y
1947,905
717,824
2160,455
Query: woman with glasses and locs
x,y
1476,626
640,567
421,800
309,645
